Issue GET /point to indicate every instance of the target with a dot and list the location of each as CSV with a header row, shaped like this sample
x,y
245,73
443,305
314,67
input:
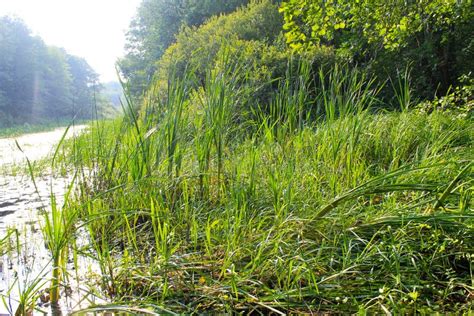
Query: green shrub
x,y
198,46
432,36
459,101
154,29
251,41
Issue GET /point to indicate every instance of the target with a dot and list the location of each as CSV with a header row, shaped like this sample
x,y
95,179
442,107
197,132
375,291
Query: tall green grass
x,y
314,202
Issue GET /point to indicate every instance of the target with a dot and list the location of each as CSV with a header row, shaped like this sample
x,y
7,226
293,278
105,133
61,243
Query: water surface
x,y
21,203
18,195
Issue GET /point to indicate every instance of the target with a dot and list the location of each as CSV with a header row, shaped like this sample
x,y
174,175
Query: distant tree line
x,y
39,82
113,92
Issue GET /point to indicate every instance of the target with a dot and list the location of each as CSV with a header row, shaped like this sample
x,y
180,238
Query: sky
x,y
92,29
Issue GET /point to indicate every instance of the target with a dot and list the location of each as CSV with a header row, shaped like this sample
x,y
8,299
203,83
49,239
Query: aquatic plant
x,y
314,202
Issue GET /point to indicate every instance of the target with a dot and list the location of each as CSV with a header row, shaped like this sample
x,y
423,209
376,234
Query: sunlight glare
x,y
92,29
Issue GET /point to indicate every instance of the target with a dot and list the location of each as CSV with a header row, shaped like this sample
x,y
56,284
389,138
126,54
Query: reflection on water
x,y
18,195
35,146
20,204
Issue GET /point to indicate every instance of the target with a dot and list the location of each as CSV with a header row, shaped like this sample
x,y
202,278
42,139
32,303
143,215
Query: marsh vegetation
x,y
251,176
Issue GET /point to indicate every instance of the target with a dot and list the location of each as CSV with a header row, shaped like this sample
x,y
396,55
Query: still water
x,y
18,196
20,206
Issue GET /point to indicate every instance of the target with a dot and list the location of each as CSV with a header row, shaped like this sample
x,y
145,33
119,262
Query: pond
x,y
23,256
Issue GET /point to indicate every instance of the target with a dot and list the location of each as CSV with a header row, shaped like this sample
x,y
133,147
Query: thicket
x,y
252,41
262,178
425,37
154,29
434,38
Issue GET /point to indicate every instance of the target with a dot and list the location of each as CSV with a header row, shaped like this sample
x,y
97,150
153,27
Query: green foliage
x,y
249,32
250,39
431,36
16,65
388,24
360,211
40,83
260,180
459,101
154,29
85,88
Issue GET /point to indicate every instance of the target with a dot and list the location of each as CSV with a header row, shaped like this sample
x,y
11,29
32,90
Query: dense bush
x,y
251,41
250,31
459,101
432,37
154,29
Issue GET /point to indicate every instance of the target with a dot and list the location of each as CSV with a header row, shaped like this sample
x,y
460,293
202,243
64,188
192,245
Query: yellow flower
x,y
414,295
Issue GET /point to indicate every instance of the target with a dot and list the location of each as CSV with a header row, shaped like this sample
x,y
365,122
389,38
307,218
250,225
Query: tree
x,y
38,82
56,83
253,28
154,29
428,34
85,81
17,59
388,23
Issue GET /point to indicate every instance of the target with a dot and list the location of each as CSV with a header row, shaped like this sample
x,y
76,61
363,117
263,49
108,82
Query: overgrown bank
x,y
255,177
199,208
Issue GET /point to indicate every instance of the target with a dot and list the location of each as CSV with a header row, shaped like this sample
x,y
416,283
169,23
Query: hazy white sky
x,y
93,29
